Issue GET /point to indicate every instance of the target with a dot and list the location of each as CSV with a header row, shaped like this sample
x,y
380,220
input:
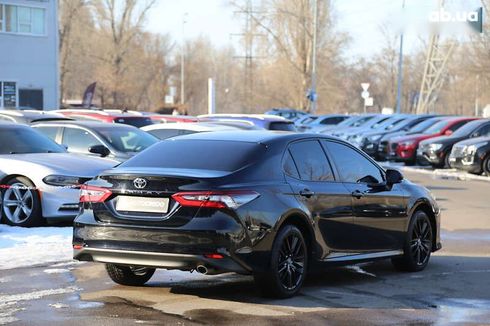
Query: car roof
x,y
31,113
251,136
263,117
12,125
84,123
105,113
192,126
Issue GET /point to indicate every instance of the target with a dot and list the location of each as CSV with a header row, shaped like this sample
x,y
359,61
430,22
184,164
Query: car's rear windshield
x,y
26,140
135,121
218,155
280,125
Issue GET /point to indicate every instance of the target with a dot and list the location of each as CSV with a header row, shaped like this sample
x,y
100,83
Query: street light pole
x,y
313,61
400,73
182,62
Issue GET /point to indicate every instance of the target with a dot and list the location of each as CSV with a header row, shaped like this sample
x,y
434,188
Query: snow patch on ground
x,y
9,304
22,247
358,269
58,305
56,270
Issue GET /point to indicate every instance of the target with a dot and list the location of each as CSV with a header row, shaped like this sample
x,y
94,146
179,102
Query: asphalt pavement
x,y
454,289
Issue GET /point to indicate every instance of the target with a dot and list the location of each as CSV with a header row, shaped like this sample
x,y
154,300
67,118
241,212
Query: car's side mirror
x,y
100,150
393,177
448,132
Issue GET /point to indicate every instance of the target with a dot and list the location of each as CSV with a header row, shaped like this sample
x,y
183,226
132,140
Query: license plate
x,y
142,204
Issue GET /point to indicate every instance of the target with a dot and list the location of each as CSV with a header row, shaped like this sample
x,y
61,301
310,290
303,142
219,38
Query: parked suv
x,y
437,150
268,204
472,155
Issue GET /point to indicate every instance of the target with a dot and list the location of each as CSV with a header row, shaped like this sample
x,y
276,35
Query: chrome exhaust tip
x,y
201,269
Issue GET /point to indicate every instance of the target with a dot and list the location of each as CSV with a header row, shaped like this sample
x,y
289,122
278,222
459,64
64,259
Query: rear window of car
x,y
280,125
135,121
217,155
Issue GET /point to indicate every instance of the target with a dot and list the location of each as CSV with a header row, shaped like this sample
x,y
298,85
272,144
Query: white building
x,y
29,53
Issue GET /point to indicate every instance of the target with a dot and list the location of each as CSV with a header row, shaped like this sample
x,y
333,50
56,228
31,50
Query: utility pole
x,y
434,71
313,93
248,37
182,62
400,73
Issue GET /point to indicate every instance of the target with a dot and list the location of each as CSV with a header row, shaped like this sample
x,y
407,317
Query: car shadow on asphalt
x,y
371,285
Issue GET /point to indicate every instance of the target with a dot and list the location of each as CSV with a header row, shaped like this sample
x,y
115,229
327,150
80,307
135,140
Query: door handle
x,y
358,194
306,193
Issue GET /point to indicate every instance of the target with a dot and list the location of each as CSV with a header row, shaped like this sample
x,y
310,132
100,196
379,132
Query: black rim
x,y
421,243
291,262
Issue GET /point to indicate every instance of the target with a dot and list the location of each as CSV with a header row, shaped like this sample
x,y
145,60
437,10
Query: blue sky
x,y
360,18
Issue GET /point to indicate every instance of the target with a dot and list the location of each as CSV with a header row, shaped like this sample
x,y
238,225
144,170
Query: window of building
x,y
22,20
8,94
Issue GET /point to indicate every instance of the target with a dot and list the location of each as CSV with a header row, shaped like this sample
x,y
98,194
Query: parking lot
x,y
453,289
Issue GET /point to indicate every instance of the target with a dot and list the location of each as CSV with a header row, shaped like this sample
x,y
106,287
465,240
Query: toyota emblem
x,y
139,183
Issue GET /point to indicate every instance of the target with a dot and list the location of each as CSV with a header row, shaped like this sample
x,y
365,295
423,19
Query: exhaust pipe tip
x,y
201,269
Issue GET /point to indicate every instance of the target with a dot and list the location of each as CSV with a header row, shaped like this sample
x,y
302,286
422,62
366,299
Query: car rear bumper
x,y
182,248
186,262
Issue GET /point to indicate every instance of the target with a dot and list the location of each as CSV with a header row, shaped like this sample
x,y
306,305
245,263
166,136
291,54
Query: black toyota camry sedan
x,y
269,204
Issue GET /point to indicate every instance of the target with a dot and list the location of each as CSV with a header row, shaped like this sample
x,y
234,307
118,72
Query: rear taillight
x,y
91,194
215,199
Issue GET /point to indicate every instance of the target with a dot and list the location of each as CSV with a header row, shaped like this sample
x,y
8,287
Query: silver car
x,y
39,180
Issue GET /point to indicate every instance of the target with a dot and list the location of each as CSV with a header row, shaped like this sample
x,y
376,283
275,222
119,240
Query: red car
x,y
404,148
166,118
110,116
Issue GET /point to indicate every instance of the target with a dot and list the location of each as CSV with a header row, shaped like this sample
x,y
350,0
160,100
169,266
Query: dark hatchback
x,y
437,150
269,204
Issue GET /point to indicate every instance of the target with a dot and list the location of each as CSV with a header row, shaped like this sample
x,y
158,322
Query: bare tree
x,y
121,21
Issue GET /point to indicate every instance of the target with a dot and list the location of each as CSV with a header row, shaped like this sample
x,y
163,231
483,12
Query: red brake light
x,y
215,199
214,256
91,194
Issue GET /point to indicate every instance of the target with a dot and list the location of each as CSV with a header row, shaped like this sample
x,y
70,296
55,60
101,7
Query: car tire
x,y
129,275
418,245
288,265
21,204
486,166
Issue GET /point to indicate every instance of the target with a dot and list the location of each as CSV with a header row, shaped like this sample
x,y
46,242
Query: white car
x,y
39,180
168,130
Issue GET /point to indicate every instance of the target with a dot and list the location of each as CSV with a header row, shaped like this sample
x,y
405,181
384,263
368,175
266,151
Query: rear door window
x,y
352,166
311,161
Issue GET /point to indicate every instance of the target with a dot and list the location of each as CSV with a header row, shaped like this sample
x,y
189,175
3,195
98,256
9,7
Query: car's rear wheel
x,y
21,205
129,275
288,265
486,165
418,244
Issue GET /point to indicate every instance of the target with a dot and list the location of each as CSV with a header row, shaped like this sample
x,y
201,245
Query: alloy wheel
x,y
291,262
421,242
18,203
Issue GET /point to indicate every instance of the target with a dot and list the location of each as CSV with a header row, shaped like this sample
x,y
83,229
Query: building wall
x,y
32,60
